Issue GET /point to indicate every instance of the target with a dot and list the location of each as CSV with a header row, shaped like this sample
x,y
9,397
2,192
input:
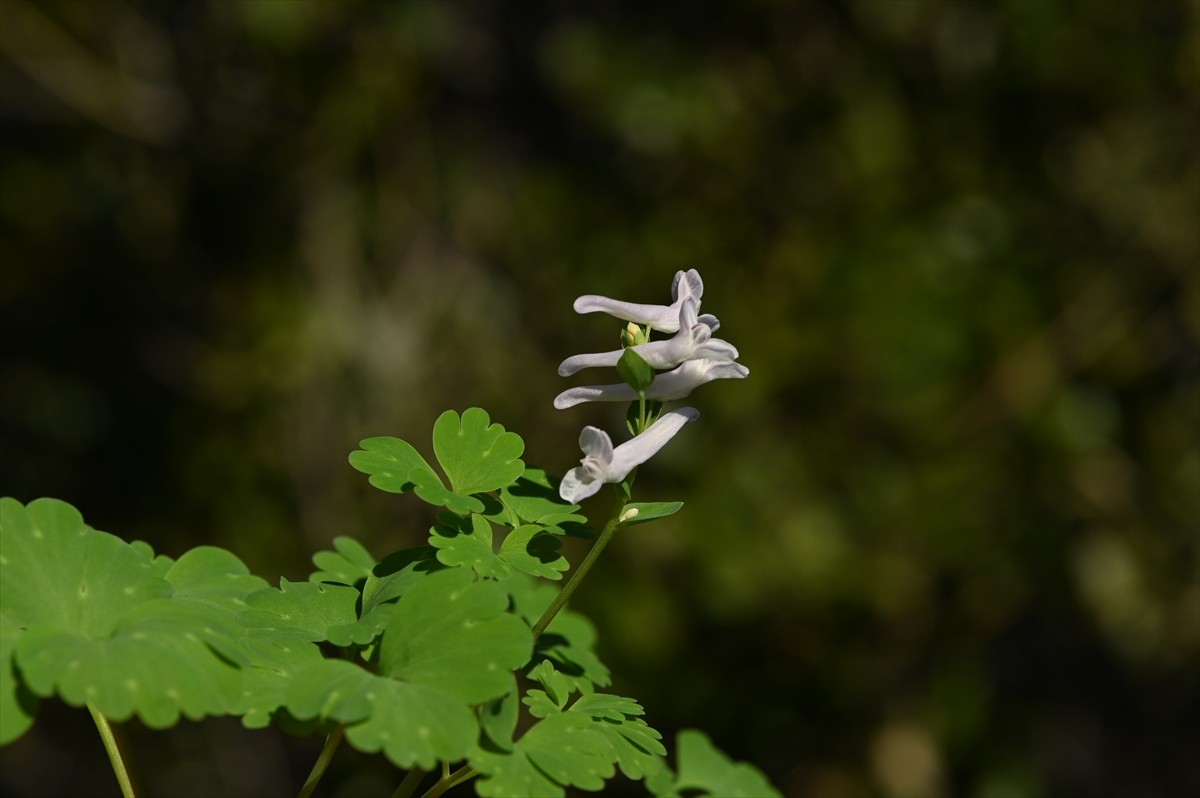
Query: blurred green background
x,y
942,542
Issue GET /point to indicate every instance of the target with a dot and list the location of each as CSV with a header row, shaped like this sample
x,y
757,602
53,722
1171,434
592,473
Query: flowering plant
x,y
428,655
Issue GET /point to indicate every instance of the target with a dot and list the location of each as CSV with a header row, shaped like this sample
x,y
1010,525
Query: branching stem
x,y
464,773
109,737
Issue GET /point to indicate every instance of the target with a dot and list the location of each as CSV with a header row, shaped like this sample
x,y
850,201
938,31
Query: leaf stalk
x,y
108,735
323,759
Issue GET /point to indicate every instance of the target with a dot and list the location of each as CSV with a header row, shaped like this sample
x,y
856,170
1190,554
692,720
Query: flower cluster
x,y
687,360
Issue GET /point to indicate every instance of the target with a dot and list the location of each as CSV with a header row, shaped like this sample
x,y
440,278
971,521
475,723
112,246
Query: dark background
x,y
943,540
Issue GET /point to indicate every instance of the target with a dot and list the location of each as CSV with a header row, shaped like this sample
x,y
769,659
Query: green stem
x,y
410,783
323,760
112,746
464,773
576,578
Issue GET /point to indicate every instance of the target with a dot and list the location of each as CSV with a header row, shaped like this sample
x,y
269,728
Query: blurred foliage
x,y
943,541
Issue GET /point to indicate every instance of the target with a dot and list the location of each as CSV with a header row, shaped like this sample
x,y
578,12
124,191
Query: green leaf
x,y
498,718
274,662
455,634
450,643
575,747
390,463
531,549
561,750
635,371
468,542
476,455
18,706
351,564
430,488
396,574
641,512
703,767
306,610
533,498
413,724
104,624
558,690
638,748
569,642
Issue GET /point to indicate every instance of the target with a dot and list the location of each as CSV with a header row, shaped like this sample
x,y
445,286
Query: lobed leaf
x,y
577,746
95,620
476,455
468,542
348,566
701,766
390,463
455,634
533,499
306,610
412,724
18,706
558,751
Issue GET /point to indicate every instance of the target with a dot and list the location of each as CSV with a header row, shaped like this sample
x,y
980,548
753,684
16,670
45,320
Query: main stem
x,y
109,738
576,578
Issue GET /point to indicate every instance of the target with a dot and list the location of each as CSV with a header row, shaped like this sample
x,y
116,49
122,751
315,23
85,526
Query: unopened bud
x,y
632,512
632,335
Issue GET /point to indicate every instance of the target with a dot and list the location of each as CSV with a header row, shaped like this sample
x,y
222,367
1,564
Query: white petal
x,y
692,341
631,454
664,318
577,486
596,443
594,393
691,375
658,317
687,284
666,387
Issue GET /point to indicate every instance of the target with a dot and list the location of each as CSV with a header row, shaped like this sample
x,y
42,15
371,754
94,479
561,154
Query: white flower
x,y
693,341
602,463
670,385
664,318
